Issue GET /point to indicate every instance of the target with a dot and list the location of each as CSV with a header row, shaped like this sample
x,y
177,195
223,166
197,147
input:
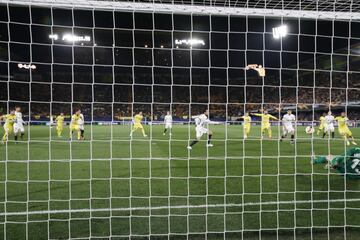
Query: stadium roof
x,y
323,9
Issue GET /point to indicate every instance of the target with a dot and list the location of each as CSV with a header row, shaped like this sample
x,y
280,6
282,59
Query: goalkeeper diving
x,y
347,164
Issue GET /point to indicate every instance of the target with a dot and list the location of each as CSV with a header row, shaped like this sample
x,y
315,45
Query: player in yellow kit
x,y
60,124
322,124
137,124
246,124
265,122
344,130
74,126
9,125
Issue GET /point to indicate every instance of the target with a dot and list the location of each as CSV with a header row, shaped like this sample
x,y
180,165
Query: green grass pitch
x,y
155,187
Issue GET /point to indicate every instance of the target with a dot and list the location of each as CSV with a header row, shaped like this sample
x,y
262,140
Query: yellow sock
x,y
78,135
143,132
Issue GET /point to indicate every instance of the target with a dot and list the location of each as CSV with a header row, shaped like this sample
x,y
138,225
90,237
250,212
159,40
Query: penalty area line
x,y
84,210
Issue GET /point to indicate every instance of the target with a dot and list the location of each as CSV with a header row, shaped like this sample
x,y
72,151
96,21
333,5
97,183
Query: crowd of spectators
x,y
180,112
227,101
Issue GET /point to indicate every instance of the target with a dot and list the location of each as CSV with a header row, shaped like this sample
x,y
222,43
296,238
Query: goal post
x,y
101,157
295,9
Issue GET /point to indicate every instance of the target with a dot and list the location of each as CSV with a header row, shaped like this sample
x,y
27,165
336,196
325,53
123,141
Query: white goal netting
x,y
179,119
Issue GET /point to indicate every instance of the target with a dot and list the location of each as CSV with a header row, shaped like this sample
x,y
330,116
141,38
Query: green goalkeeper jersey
x,y
347,164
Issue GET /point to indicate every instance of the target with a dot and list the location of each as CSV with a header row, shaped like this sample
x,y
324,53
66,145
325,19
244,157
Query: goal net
x,y
179,119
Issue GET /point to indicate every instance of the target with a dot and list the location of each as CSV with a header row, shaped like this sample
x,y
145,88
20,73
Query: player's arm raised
x,y
273,117
212,122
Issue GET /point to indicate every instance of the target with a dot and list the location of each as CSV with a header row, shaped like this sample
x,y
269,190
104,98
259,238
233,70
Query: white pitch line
x,y
176,207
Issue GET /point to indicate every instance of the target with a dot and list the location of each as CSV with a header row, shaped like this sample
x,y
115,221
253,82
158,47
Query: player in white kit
x,y
288,123
329,125
19,124
168,123
81,123
201,123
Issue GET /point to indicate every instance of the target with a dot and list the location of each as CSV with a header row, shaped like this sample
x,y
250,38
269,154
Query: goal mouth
x,y
185,119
